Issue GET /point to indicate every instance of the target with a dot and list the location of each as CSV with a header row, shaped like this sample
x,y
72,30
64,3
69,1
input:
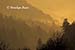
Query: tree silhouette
x,y
39,44
66,25
3,46
26,48
69,34
57,44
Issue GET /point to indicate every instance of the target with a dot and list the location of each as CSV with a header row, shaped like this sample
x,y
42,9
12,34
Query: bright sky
x,y
58,9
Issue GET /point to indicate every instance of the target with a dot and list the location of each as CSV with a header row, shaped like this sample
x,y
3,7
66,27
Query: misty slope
x,y
19,34
28,15
35,24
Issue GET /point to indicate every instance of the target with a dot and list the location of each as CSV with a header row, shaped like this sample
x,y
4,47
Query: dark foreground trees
x,y
57,44
69,34
66,42
3,46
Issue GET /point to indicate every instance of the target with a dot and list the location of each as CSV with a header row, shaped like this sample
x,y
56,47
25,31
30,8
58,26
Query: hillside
x,y
22,28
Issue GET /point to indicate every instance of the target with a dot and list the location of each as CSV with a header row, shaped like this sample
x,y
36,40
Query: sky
x,y
58,9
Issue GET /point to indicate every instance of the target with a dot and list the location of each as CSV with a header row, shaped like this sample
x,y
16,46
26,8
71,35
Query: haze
x,y
58,9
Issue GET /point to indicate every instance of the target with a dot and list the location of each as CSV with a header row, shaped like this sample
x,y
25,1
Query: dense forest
x,y
65,42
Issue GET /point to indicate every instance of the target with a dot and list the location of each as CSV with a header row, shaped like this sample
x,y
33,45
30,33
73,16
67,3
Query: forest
x,y
65,42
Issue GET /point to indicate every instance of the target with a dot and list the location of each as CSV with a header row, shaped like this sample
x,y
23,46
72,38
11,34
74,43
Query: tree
x,y
69,30
39,45
66,24
3,46
58,44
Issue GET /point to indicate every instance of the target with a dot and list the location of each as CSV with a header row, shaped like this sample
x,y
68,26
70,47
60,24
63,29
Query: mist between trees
x,y
57,42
